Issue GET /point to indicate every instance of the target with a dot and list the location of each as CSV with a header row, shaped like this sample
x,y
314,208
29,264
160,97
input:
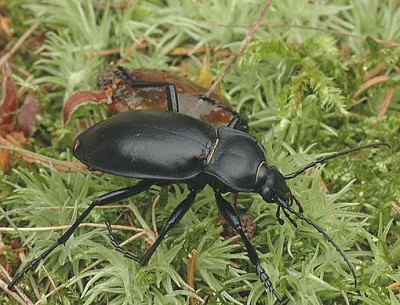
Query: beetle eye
x,y
267,194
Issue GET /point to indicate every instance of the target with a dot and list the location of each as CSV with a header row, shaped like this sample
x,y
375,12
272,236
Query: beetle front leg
x,y
233,219
278,215
99,201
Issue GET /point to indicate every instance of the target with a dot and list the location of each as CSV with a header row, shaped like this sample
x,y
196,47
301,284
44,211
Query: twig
x,y
58,228
19,43
388,43
243,46
122,4
143,223
153,213
52,283
369,83
386,102
31,279
91,266
32,157
190,275
20,297
14,295
376,70
396,207
68,207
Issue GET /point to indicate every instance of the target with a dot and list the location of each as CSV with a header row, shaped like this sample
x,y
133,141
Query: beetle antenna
x,y
327,237
332,156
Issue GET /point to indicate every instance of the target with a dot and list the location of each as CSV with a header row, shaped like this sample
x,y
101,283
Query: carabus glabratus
x,y
125,90
163,147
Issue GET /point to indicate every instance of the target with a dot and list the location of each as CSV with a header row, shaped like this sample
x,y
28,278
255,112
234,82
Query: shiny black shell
x,y
147,144
235,160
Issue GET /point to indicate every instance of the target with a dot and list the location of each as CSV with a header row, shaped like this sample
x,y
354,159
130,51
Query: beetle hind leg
x,y
229,213
107,198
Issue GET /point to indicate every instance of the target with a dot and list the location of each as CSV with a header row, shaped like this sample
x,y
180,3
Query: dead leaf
x,y
8,101
5,26
82,98
27,117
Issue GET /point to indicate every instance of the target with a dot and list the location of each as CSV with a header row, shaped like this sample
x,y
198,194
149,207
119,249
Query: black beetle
x,y
163,147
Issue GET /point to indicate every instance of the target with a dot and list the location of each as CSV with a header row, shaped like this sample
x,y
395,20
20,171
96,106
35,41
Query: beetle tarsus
x,y
99,201
229,213
118,247
267,283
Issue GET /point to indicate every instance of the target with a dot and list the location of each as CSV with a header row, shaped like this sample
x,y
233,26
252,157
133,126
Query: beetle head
x,y
272,186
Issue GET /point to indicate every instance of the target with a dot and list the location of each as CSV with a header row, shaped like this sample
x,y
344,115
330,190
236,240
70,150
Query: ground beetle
x,y
121,90
163,147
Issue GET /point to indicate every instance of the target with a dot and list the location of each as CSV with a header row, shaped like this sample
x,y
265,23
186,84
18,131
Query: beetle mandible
x,y
163,147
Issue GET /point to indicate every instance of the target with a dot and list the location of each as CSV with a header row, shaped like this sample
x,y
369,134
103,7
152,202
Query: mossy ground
x,y
302,83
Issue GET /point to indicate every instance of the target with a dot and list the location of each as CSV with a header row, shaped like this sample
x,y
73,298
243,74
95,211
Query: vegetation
x,y
319,76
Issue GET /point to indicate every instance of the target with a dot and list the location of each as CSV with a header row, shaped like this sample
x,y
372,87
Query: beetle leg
x,y
233,219
99,201
278,215
172,96
118,247
122,73
298,204
175,217
290,218
237,121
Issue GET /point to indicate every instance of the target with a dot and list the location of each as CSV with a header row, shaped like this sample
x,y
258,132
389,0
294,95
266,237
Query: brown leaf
x,y
8,101
28,113
82,98
5,26
14,139
396,207
4,160
394,286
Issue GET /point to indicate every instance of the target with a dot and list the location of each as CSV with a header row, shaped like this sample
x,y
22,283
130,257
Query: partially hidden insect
x,y
165,146
125,90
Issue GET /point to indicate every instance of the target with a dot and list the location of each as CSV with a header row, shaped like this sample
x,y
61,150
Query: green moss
x,y
298,92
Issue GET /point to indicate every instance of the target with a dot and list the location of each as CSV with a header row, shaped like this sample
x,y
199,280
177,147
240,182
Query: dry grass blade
x,y
247,39
370,83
